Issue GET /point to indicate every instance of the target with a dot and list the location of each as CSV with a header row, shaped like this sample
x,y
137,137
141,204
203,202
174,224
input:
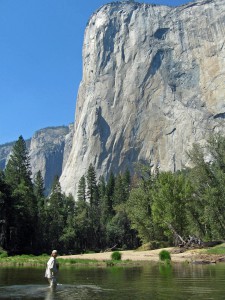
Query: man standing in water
x,y
52,269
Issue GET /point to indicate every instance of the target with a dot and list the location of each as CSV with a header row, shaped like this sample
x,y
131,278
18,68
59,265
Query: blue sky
x,y
41,63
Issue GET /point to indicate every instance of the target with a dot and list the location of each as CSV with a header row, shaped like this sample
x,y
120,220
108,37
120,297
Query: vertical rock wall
x,y
48,149
153,84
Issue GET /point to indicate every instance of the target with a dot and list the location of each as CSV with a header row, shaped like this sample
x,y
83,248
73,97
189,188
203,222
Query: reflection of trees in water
x,y
165,269
151,281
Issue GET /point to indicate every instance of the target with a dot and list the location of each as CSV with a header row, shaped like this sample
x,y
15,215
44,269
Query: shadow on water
x,y
37,292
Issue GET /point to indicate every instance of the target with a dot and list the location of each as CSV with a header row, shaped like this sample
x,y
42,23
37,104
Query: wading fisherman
x,y
52,269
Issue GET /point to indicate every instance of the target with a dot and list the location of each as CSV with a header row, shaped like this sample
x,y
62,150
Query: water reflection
x,y
50,295
152,281
165,270
46,293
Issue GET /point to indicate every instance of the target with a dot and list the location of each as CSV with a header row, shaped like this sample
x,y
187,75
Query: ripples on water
x,y
156,282
65,292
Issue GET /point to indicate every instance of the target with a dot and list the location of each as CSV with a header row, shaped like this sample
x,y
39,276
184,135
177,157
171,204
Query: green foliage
x,y
170,195
6,211
92,193
39,191
109,196
219,249
55,211
164,205
139,206
22,219
152,245
164,255
207,204
165,269
18,167
81,194
116,255
68,235
151,206
3,253
41,260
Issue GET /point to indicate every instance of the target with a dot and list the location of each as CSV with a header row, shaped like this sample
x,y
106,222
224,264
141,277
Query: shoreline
x,y
189,256
129,257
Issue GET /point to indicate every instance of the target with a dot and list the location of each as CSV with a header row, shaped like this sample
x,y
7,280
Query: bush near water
x,y
116,255
3,253
164,255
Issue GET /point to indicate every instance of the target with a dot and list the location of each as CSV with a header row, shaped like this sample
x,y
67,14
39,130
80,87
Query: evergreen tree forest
x,y
121,212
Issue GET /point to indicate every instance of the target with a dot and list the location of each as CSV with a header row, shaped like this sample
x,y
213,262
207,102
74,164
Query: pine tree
x,y
94,209
39,191
118,229
110,188
18,177
18,167
91,186
102,211
41,218
119,191
127,183
82,225
68,236
5,211
81,195
55,215
102,187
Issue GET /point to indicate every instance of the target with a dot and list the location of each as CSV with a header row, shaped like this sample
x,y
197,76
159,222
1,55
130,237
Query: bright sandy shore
x,y
151,255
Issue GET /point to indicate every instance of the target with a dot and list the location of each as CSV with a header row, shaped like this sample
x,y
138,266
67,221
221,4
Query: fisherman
x,y
52,269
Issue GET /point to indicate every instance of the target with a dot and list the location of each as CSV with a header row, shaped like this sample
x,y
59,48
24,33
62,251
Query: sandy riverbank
x,y
192,256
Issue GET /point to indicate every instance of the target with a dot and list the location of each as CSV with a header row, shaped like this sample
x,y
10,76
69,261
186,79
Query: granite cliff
x,y
153,84
48,150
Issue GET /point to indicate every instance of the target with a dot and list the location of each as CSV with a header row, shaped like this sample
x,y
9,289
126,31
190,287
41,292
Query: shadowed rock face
x,y
48,150
153,84
5,150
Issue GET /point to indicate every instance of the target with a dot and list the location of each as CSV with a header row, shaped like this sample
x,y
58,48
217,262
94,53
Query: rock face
x,y
153,84
5,150
48,150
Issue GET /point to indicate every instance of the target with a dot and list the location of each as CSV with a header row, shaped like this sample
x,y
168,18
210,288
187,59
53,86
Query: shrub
x,y
164,255
116,255
3,253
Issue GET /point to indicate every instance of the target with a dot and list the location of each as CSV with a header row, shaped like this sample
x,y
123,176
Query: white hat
x,y
54,251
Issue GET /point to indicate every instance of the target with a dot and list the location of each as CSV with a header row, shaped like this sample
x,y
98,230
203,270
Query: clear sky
x,y
41,63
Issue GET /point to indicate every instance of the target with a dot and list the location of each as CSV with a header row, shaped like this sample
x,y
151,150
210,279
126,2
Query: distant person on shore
x,y
52,269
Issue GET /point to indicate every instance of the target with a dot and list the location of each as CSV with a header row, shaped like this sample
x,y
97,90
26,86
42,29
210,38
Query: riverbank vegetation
x,y
217,250
119,212
41,260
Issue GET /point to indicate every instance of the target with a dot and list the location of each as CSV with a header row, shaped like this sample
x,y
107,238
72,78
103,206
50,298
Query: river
x,y
151,281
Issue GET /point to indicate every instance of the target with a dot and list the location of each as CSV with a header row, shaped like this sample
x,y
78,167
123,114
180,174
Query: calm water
x,y
143,282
